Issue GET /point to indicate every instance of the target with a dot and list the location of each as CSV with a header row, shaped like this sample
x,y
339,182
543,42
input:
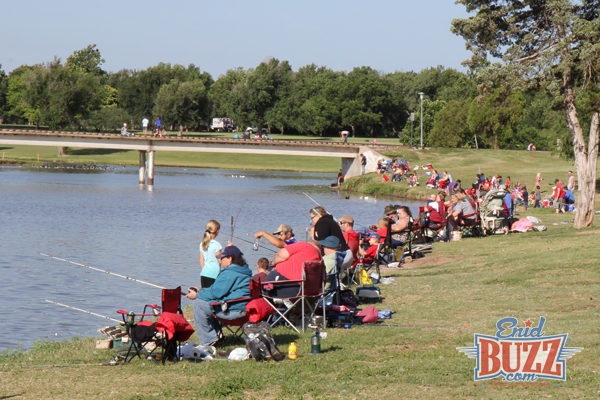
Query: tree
x,y
553,43
87,60
4,108
495,119
449,127
183,103
430,110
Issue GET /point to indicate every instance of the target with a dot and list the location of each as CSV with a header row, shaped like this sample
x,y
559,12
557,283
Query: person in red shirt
x,y
371,252
382,224
351,237
288,266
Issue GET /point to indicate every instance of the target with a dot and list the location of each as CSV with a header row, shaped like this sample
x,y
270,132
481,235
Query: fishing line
x,y
101,270
236,218
252,243
85,311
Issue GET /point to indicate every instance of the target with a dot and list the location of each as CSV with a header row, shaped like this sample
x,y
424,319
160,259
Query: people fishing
x,y
209,250
282,237
326,226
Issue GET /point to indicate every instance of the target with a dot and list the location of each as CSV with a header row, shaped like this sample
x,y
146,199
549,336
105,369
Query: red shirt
x,y
371,252
382,234
351,238
299,252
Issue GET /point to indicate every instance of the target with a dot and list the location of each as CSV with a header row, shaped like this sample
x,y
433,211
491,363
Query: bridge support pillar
x,y
151,168
142,167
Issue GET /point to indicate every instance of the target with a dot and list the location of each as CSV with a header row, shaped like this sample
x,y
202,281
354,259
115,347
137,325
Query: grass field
x,y
464,286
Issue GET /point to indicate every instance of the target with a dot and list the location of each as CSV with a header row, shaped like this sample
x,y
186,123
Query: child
x,y
263,269
525,195
537,196
382,226
371,252
209,250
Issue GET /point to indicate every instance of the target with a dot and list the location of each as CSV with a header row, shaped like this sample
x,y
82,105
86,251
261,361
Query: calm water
x,y
106,220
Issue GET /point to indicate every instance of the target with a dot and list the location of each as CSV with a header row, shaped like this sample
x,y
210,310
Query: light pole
x,y
421,94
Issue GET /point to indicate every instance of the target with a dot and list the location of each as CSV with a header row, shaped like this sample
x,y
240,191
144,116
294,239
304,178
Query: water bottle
x,y
292,351
255,248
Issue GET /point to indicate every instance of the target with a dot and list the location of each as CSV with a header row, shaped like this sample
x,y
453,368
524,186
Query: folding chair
x,y
166,333
471,226
235,326
311,288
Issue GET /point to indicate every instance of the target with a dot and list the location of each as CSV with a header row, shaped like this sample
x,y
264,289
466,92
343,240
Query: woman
x,y
326,226
401,229
231,284
209,250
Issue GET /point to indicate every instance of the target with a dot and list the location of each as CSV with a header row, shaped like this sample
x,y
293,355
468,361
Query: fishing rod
x,y
409,326
236,218
101,270
252,243
85,311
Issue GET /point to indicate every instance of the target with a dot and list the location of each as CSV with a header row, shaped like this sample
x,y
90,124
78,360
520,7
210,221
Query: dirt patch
x,y
589,232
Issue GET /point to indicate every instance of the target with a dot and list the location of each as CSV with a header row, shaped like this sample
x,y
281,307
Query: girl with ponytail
x,y
209,250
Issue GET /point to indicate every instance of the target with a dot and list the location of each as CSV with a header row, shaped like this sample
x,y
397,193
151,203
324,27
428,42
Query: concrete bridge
x,y
148,145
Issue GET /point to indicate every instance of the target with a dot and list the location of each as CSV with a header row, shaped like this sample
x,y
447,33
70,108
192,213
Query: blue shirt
x,y
291,240
211,265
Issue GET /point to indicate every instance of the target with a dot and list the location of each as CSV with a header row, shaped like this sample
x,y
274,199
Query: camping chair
x,y
472,226
370,265
166,333
336,279
235,326
435,228
311,289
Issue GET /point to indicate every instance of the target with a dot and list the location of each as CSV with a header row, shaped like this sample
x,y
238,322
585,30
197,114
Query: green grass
x,y
464,164
466,286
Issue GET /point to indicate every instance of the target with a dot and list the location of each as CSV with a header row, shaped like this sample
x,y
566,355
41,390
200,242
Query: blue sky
x,y
399,35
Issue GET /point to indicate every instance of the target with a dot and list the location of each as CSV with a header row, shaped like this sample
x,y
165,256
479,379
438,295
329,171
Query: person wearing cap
x,y
326,226
124,130
232,283
371,251
350,236
288,266
282,237
330,245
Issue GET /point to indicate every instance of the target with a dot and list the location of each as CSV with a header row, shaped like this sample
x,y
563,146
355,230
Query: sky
x,y
387,35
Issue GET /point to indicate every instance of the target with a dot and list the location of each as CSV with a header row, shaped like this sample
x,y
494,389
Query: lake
x,y
106,220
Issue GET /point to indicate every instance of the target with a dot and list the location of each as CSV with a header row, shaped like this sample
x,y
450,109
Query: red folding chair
x,y
166,333
311,289
235,326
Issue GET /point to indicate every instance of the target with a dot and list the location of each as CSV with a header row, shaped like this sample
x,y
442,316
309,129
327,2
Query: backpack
x,y
259,342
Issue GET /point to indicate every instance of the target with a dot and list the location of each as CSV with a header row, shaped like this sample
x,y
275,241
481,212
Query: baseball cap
x,y
389,209
330,241
283,228
230,251
346,218
374,235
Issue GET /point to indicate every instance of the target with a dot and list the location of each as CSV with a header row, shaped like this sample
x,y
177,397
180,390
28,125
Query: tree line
x,y
79,94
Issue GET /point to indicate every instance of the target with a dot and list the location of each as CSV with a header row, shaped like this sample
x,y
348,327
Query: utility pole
x,y
421,94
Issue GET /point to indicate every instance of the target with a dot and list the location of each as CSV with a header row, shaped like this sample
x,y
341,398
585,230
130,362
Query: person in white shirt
x,y
145,125
571,182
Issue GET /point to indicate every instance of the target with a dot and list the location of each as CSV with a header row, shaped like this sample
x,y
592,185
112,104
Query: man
x,y
158,124
571,182
232,283
363,162
282,237
124,130
351,237
288,266
567,200
145,125
454,186
330,246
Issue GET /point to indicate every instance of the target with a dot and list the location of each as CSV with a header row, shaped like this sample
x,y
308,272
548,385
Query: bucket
x,y
456,236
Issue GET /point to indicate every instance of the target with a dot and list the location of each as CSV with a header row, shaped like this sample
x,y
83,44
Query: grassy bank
x,y
464,286
464,164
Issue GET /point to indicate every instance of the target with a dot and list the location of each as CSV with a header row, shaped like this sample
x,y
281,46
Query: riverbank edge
x,y
370,184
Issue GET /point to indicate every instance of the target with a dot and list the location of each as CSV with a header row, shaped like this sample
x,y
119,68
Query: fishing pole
x,y
252,243
101,270
409,326
85,311
236,218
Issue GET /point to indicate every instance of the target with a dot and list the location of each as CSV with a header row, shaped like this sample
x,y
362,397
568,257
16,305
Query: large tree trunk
x,y
586,160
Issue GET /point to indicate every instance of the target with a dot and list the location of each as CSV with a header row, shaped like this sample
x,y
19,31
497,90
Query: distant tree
x,y
494,120
227,96
183,103
553,43
430,110
450,127
87,60
4,107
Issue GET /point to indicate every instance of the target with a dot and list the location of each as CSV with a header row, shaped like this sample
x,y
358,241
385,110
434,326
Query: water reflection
x,y
106,220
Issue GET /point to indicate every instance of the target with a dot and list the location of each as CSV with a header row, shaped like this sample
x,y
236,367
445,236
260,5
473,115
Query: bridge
x,y
148,145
